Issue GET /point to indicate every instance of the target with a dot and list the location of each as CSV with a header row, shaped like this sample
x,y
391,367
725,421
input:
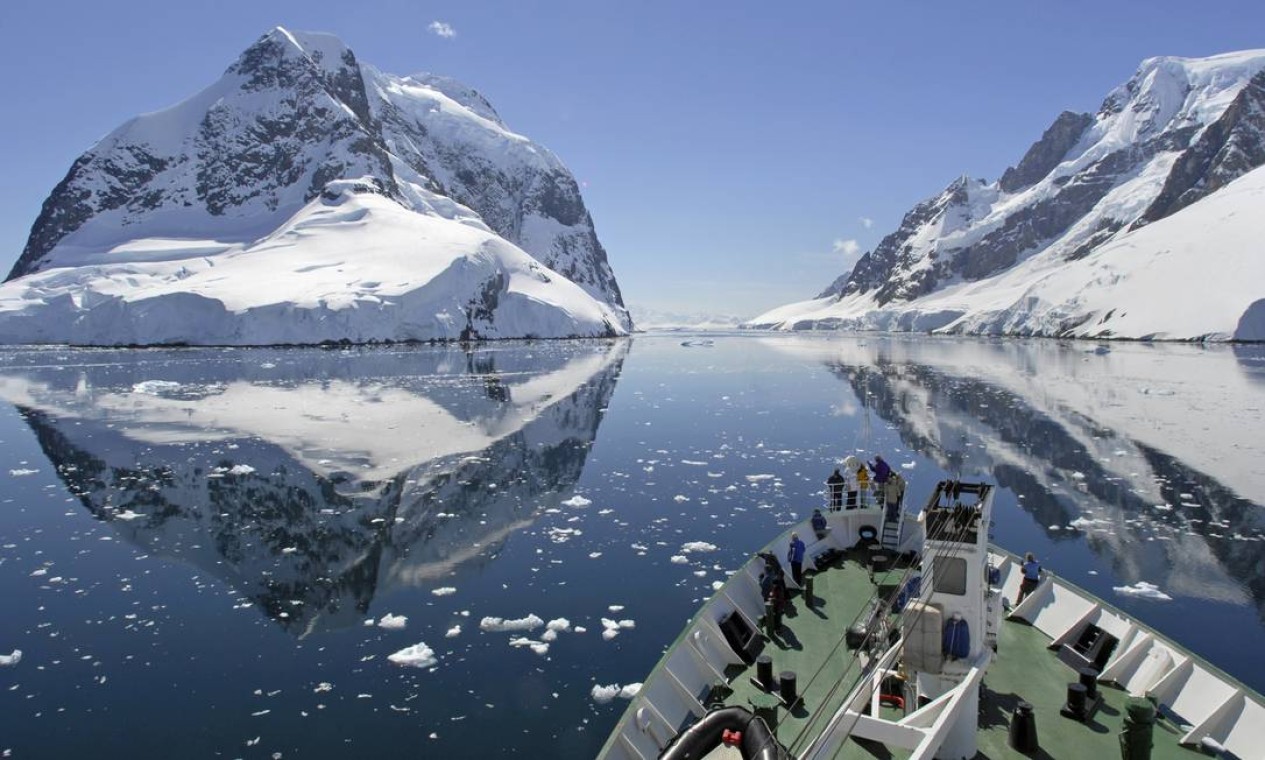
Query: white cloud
x,y
442,29
848,248
866,222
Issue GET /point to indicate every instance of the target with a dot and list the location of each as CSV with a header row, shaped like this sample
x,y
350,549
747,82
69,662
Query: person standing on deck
x,y
850,481
795,555
834,486
882,471
1031,576
819,523
863,484
893,494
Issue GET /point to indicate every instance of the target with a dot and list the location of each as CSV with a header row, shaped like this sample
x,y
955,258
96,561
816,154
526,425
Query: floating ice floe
x,y
22,471
577,501
680,559
323,686
453,632
758,478
539,647
444,591
496,624
417,656
1143,590
603,694
241,469
393,622
1085,523
697,546
128,514
680,499
155,387
611,628
11,659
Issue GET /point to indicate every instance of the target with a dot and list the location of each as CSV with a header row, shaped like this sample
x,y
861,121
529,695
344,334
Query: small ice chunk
x,y
11,659
323,686
393,622
444,591
22,471
1143,590
560,624
241,469
616,608
128,514
680,559
604,694
496,624
577,501
539,647
453,632
758,478
680,499
417,656
697,546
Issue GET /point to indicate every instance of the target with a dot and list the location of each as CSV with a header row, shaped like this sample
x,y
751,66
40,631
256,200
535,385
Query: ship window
x,y
950,575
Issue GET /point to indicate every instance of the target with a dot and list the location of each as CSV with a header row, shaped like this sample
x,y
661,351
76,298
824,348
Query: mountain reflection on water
x,y
314,480
158,501
1143,453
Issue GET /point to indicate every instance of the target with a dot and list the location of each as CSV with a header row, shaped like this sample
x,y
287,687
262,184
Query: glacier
x,y
305,198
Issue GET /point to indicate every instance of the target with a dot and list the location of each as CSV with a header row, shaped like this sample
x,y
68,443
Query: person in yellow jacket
x,y
863,485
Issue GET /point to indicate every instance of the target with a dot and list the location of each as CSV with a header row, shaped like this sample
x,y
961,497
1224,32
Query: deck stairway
x,y
891,531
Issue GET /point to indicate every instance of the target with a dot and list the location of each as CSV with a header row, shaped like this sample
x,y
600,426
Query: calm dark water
x,y
192,541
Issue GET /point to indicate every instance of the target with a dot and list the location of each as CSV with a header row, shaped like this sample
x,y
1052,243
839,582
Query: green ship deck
x,y
1025,669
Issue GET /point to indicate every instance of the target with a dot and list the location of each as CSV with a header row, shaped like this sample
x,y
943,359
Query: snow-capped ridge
x,y
275,160
980,257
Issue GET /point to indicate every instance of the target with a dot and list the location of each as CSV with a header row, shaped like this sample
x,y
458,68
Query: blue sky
x,y
730,153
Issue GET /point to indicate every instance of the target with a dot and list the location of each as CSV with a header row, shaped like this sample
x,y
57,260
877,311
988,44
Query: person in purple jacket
x,y
882,473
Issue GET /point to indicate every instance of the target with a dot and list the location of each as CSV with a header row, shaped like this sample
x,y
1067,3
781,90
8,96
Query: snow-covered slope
x,y
306,197
1113,225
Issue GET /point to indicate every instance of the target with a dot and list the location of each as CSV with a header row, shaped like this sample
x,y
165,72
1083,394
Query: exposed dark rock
x,y
1230,147
1048,152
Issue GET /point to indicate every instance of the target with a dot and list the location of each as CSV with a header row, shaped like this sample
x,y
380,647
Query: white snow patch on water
x,y
417,656
393,622
697,546
1143,590
604,694
539,647
496,624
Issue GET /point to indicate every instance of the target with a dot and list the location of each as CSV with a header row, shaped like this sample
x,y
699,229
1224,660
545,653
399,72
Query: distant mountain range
x,y
1140,221
307,197
655,319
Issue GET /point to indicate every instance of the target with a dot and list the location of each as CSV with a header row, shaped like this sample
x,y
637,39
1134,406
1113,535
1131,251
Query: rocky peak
x,y
1046,153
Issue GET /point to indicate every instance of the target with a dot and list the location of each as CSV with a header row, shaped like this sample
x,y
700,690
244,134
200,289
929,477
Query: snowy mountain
x,y
306,197
1139,221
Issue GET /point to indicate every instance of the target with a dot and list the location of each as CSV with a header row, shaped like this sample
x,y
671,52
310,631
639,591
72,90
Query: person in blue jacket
x,y
819,523
1031,576
795,555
